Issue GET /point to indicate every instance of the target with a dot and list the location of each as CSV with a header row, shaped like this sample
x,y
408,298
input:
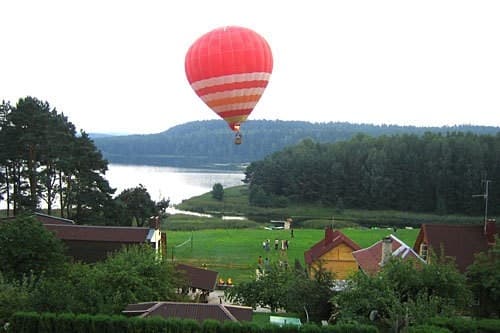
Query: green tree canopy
x,y
138,205
484,278
218,191
406,172
403,293
42,159
282,287
27,247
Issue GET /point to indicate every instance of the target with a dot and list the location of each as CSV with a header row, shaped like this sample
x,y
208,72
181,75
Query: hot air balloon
x,y
229,68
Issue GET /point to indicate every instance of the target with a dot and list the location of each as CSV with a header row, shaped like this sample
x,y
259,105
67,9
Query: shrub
x,y
428,329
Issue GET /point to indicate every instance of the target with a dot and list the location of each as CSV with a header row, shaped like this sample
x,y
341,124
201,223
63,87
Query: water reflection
x,y
168,182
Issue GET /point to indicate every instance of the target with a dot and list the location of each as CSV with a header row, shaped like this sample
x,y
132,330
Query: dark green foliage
x,y
218,192
290,289
428,329
14,296
465,325
428,173
137,205
83,324
24,322
211,326
349,328
43,159
64,323
404,293
455,324
231,327
484,279
27,248
132,275
488,325
201,143
310,328
46,323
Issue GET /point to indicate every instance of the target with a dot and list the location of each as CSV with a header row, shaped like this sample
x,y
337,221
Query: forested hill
x,y
202,143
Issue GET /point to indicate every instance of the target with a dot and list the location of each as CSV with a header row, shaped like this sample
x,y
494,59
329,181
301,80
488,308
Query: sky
x,y
118,66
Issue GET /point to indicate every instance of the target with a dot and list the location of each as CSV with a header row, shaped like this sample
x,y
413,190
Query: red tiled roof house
x,y
460,242
371,259
196,311
89,243
335,254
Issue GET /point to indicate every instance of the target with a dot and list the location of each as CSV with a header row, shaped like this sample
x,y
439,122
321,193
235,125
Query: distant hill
x,y
204,143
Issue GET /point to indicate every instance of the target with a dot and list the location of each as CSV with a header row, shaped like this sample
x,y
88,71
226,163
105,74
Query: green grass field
x,y
234,252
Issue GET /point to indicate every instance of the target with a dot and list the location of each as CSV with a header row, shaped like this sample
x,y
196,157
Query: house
x,y
90,243
335,254
460,242
371,259
196,311
200,281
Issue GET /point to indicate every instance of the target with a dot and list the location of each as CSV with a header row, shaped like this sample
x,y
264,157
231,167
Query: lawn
x,y
234,252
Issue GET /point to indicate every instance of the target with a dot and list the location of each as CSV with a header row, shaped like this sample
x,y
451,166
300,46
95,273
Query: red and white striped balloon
x,y
229,68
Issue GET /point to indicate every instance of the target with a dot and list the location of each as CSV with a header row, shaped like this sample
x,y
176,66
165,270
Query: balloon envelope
x,y
229,68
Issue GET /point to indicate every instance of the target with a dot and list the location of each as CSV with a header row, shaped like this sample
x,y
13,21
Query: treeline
x,y
202,143
434,172
44,160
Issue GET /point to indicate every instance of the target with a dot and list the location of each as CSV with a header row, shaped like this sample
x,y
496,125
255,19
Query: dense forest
x,y
202,143
407,172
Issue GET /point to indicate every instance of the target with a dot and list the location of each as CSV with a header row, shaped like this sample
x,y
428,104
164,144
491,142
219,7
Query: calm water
x,y
168,182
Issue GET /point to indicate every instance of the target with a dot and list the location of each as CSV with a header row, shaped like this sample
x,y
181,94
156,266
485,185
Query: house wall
x,y
340,261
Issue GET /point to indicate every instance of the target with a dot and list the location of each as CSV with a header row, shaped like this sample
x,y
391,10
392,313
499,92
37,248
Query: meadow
x,y
234,253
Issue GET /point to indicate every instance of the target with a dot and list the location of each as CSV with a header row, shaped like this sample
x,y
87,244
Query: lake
x,y
170,182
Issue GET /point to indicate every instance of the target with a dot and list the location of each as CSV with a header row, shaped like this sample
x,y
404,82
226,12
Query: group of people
x,y
278,244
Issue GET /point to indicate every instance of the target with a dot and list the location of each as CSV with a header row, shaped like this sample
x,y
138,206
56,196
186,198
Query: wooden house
x,y
90,243
334,252
460,242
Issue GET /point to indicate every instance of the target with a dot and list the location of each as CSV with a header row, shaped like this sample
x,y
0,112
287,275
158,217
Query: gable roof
x,y
49,219
196,311
100,233
332,239
369,259
199,278
461,242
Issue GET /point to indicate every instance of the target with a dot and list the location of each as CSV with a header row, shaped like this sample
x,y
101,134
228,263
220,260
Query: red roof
x,y
369,259
196,311
461,242
199,278
49,219
332,239
99,233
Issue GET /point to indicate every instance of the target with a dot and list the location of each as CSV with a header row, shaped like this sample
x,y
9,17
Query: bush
x,y
211,326
455,324
64,323
25,322
349,328
428,329
488,325
46,323
310,328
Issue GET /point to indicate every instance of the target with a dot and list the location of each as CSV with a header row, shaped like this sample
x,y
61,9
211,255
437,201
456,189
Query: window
x,y
423,251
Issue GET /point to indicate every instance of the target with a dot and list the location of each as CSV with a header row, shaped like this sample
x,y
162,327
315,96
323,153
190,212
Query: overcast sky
x,y
118,66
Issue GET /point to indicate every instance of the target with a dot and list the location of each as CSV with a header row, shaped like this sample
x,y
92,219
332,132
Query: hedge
x,y
30,322
464,325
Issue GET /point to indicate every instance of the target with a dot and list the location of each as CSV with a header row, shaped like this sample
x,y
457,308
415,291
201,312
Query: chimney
x,y
386,250
328,235
490,231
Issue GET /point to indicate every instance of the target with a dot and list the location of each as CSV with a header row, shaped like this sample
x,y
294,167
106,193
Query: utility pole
x,y
485,196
